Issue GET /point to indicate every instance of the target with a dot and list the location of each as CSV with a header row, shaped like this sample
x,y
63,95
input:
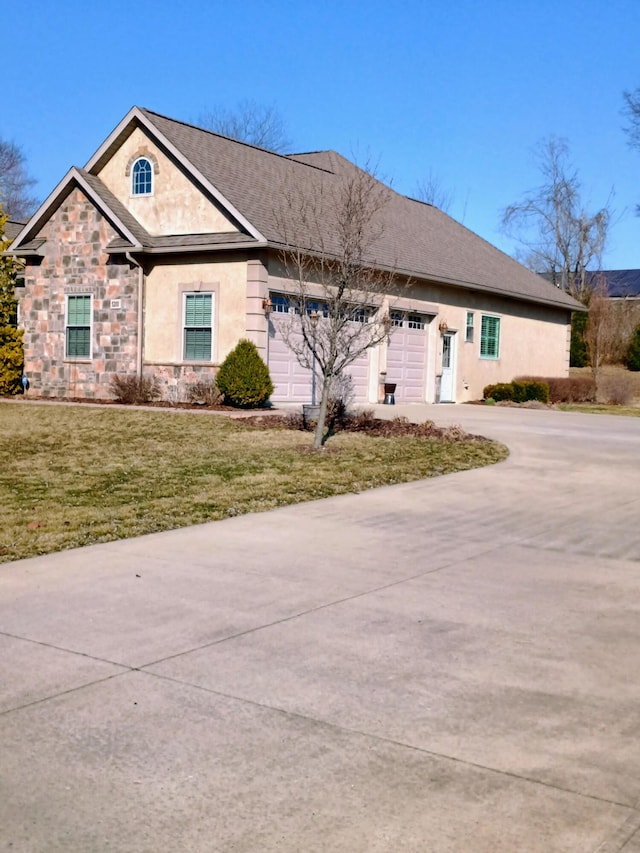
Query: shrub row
x,y
566,389
242,381
518,391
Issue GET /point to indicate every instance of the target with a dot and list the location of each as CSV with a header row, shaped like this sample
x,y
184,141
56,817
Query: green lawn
x,y
75,475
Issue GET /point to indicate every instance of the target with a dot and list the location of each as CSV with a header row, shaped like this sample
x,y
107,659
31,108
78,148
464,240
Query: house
x,y
618,284
12,229
166,249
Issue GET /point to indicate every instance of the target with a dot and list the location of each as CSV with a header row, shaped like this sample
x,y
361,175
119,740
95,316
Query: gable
x,y
177,205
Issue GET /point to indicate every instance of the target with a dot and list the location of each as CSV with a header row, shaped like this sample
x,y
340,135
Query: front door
x,y
448,379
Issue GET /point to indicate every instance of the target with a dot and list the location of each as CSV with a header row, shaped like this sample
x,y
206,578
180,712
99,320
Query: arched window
x,y
142,177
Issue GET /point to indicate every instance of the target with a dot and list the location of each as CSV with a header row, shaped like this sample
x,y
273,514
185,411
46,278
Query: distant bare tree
x,y
602,328
15,183
558,236
432,190
632,112
339,310
250,122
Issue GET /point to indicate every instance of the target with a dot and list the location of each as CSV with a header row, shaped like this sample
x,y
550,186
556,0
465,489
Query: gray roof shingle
x,y
417,238
12,229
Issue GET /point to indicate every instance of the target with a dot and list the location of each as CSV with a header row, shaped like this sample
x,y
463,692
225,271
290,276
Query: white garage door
x,y
407,357
292,382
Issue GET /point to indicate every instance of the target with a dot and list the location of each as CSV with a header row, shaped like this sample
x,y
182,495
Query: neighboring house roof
x,y
620,284
250,184
12,229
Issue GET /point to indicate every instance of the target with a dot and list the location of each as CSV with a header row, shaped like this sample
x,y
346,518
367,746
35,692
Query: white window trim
x,y
499,321
67,326
183,330
133,177
470,328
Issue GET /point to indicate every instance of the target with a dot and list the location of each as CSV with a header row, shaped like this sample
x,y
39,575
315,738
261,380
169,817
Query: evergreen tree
x,y
11,352
633,353
579,355
244,378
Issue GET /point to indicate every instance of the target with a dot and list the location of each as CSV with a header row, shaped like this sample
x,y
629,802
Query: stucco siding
x,y
176,206
533,340
166,285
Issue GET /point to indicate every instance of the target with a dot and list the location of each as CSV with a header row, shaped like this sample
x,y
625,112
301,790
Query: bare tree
x,y
557,236
602,328
432,190
250,122
632,112
340,306
15,183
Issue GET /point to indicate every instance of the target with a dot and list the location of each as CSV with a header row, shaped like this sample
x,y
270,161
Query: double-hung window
x,y
469,328
78,326
490,337
198,326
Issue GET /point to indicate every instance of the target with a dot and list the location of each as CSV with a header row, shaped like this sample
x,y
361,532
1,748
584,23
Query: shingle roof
x,y
184,241
620,284
12,229
127,219
418,238
123,221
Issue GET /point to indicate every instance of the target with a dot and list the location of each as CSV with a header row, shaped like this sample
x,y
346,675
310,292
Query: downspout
x,y
135,263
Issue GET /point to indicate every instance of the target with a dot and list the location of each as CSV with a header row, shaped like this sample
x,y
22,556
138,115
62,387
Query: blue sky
x,y
463,89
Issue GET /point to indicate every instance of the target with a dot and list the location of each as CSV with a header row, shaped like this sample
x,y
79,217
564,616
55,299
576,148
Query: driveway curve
x,y
445,665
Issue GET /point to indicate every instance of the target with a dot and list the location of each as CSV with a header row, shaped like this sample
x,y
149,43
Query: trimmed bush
x,y
632,361
135,390
518,391
566,389
244,378
499,392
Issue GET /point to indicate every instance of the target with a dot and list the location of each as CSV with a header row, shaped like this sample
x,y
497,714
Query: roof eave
x,y
181,250
469,285
138,115
54,200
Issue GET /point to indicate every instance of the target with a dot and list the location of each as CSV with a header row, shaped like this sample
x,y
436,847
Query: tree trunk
x,y
318,438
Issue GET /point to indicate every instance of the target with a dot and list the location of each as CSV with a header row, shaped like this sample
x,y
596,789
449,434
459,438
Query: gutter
x,y
135,263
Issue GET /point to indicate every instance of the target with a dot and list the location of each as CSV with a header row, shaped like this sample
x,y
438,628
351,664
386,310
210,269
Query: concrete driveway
x,y
449,665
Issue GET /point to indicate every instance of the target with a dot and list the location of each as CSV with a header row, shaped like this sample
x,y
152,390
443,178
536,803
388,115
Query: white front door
x,y
448,380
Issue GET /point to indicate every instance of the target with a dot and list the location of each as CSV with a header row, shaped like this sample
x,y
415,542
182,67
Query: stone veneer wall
x,y
75,261
175,379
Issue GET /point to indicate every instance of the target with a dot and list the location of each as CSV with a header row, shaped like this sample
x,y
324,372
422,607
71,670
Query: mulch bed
x,y
364,422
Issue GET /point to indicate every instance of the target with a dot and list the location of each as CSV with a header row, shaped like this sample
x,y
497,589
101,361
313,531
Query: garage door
x,y
292,382
407,357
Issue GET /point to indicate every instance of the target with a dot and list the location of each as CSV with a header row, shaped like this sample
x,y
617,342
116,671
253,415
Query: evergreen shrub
x,y
11,350
518,391
566,389
632,360
578,354
244,378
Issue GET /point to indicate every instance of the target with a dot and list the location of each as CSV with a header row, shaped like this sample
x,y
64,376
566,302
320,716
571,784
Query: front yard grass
x,y
74,475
